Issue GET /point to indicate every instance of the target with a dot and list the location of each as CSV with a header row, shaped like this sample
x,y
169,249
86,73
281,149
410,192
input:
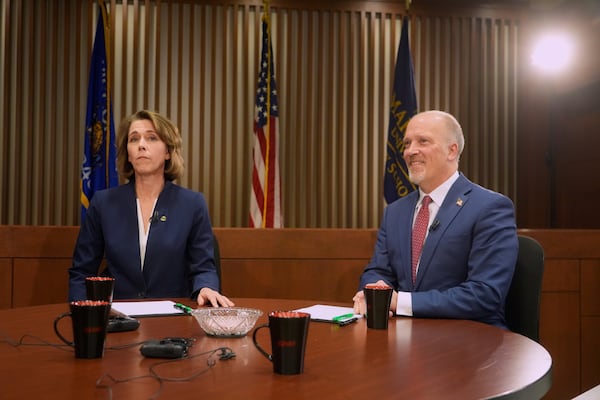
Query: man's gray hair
x,y
452,126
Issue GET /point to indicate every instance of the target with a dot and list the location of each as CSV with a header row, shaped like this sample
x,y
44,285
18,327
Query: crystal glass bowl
x,y
226,321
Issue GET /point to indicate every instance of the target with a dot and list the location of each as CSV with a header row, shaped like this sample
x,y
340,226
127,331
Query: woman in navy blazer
x,y
470,250
156,236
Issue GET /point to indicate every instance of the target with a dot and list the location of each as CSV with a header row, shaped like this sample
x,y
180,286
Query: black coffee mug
x,y
378,299
99,288
89,319
289,330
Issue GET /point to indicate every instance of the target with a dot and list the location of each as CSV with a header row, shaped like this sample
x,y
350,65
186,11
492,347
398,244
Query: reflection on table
x,y
414,358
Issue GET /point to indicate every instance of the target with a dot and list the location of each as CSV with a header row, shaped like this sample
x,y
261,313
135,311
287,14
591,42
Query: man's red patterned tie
x,y
418,234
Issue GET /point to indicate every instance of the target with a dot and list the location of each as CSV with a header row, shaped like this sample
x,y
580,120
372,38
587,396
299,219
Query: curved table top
x,y
415,358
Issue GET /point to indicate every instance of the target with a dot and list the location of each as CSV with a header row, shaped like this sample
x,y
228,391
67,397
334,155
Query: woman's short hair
x,y
166,130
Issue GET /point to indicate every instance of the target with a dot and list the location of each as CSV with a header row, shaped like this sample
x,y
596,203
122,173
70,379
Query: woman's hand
x,y
209,297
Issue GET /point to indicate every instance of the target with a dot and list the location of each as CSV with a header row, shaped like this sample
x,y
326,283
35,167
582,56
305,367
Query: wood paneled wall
x,y
196,62
324,265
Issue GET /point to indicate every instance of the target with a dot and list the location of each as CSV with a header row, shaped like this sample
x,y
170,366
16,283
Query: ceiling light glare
x,y
553,53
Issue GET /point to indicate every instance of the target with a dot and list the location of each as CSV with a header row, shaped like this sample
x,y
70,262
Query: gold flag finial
x,y
408,4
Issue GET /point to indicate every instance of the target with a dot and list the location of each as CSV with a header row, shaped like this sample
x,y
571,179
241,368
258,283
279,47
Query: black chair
x,y
522,309
217,256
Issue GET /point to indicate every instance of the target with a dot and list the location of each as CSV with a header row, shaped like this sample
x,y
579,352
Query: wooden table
x,y
413,359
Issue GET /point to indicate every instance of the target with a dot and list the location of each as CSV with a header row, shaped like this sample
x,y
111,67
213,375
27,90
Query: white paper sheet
x,y
321,312
152,308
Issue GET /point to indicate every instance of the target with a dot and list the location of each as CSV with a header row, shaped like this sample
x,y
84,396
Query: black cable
x,y
210,362
223,353
226,353
115,381
21,342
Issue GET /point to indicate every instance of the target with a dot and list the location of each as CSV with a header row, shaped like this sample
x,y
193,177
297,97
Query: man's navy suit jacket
x,y
467,261
179,258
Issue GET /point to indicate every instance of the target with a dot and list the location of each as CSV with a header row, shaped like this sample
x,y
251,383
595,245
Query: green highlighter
x,y
344,319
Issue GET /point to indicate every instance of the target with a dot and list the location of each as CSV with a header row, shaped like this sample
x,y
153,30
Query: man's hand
x,y
360,304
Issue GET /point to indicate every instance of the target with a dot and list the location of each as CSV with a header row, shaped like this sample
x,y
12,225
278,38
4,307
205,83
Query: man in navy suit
x,y
468,257
155,236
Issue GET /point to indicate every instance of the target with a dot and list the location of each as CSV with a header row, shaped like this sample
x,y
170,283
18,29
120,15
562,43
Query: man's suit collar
x,y
459,192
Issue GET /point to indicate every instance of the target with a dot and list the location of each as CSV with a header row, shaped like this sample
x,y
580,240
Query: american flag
x,y
265,200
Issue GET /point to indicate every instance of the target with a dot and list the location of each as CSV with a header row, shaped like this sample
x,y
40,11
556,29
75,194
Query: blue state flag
x,y
404,105
98,170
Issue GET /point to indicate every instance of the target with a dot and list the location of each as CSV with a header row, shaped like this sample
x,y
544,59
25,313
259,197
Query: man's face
x,y
429,152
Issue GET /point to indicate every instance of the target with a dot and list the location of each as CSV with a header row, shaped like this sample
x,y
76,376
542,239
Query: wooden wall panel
x,y
567,243
47,242
285,264
296,243
40,281
6,282
328,280
6,278
6,246
590,352
560,332
561,275
590,323
590,282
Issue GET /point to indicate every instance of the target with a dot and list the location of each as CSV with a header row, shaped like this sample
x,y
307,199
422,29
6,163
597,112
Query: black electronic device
x,y
121,323
166,348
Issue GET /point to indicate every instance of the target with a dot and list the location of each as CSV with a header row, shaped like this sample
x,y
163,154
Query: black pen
x,y
184,308
346,321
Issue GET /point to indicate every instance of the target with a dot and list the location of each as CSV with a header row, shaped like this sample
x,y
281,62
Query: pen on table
x,y
347,321
343,317
184,308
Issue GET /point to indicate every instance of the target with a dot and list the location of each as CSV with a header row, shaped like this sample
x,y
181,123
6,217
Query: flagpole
x,y
268,130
